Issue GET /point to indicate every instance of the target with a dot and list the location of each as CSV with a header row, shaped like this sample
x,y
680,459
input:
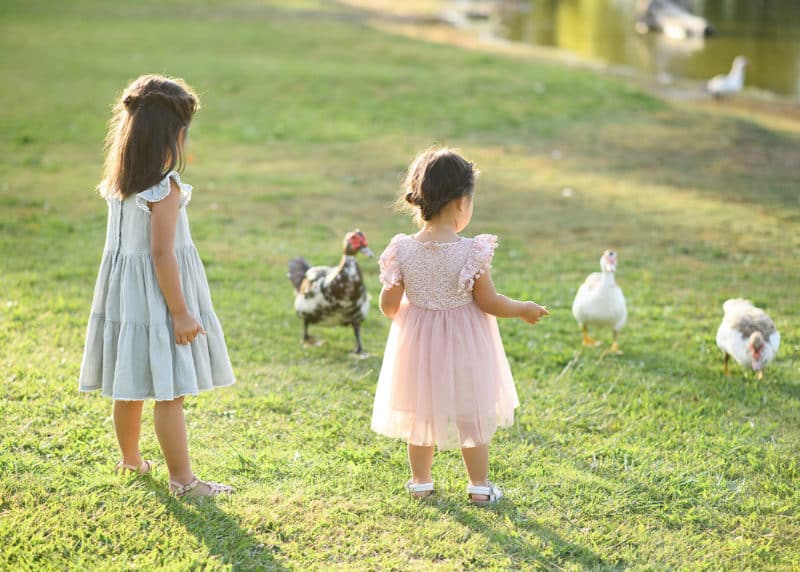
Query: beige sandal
x,y
143,468
214,489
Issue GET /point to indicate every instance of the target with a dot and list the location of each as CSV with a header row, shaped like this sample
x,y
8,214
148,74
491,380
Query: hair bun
x,y
413,198
131,102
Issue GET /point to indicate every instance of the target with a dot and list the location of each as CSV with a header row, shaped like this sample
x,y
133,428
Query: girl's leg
x,y
170,428
476,459
127,426
421,459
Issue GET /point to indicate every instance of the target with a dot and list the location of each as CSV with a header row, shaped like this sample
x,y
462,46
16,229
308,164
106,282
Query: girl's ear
x,y
463,203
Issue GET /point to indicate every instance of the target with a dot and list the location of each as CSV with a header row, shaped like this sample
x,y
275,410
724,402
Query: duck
x,y
748,334
600,302
332,295
672,18
721,85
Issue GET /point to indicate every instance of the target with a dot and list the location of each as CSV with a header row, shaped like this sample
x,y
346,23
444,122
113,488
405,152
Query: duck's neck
x,y
737,73
608,277
345,259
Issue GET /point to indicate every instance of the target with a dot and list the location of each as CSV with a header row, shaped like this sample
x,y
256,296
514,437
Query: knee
x,y
177,403
128,405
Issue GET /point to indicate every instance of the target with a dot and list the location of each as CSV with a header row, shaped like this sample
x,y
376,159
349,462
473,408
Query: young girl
x,y
152,332
445,379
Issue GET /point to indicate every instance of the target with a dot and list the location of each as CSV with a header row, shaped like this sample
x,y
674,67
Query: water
x,y
767,32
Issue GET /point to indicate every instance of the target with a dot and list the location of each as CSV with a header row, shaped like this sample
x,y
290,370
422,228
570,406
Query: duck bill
x,y
366,252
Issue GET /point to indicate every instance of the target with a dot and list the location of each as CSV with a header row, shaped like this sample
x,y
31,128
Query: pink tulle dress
x,y
445,379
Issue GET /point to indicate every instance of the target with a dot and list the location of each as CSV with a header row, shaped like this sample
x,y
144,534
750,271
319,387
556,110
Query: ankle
x,y
132,460
479,483
182,479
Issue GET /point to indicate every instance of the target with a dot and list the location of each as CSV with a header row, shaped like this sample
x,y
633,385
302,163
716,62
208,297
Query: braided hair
x,y
142,144
436,177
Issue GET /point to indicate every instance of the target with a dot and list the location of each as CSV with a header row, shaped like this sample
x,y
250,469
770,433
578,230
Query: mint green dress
x,y
130,351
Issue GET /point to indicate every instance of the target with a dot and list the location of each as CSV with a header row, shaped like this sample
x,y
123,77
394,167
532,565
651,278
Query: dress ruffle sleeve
x,y
479,260
160,191
389,263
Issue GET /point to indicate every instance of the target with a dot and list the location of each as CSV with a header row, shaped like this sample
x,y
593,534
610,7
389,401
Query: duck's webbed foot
x,y
615,349
588,341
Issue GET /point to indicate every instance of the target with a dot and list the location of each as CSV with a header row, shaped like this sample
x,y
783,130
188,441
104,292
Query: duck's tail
x,y
297,271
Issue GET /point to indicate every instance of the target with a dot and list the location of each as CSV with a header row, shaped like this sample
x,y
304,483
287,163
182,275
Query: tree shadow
x,y
220,533
516,547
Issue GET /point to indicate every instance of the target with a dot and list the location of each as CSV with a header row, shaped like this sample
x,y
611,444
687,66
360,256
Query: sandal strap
x,y
214,489
413,487
491,490
180,490
144,467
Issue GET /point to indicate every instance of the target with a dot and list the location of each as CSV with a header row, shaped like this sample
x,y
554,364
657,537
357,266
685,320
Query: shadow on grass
x,y
218,532
516,547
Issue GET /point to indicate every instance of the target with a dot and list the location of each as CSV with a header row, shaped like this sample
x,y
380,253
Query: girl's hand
x,y
186,328
532,312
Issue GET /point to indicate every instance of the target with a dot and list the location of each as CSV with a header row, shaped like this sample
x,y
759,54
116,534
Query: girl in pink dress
x,y
445,379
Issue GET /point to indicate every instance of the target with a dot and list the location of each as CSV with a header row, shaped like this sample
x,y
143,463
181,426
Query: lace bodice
x,y
436,275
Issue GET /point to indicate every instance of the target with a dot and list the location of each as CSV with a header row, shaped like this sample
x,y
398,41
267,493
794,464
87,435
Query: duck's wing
x,y
592,282
314,280
749,319
717,84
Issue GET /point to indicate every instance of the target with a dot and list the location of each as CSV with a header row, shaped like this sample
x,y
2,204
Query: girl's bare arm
x,y
488,300
390,300
163,222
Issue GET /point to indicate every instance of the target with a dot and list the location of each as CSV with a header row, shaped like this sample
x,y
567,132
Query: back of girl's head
x,y
437,176
143,142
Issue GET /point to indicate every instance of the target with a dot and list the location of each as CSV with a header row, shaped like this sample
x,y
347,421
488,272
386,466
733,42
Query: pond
x,y
767,32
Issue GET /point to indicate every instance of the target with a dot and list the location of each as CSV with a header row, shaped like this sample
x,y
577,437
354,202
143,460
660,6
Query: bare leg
x,y
128,426
421,460
615,346
476,459
587,340
725,369
170,428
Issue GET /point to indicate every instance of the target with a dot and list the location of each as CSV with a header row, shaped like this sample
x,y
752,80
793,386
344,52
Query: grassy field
x,y
650,460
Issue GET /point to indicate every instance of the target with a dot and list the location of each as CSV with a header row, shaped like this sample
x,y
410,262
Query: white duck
x,y
748,334
728,84
600,302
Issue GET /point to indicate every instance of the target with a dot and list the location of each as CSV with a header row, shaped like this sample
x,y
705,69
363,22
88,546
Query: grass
x,y
648,460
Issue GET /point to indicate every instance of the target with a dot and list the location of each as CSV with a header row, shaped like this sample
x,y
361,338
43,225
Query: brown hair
x,y
435,177
142,142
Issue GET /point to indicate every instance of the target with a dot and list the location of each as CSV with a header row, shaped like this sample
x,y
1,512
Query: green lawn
x,y
651,460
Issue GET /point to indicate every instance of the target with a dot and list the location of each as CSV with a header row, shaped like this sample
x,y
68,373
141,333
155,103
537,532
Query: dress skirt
x,y
445,379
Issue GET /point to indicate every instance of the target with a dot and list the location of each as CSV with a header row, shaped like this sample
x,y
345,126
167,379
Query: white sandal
x,y
415,489
492,491
214,489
